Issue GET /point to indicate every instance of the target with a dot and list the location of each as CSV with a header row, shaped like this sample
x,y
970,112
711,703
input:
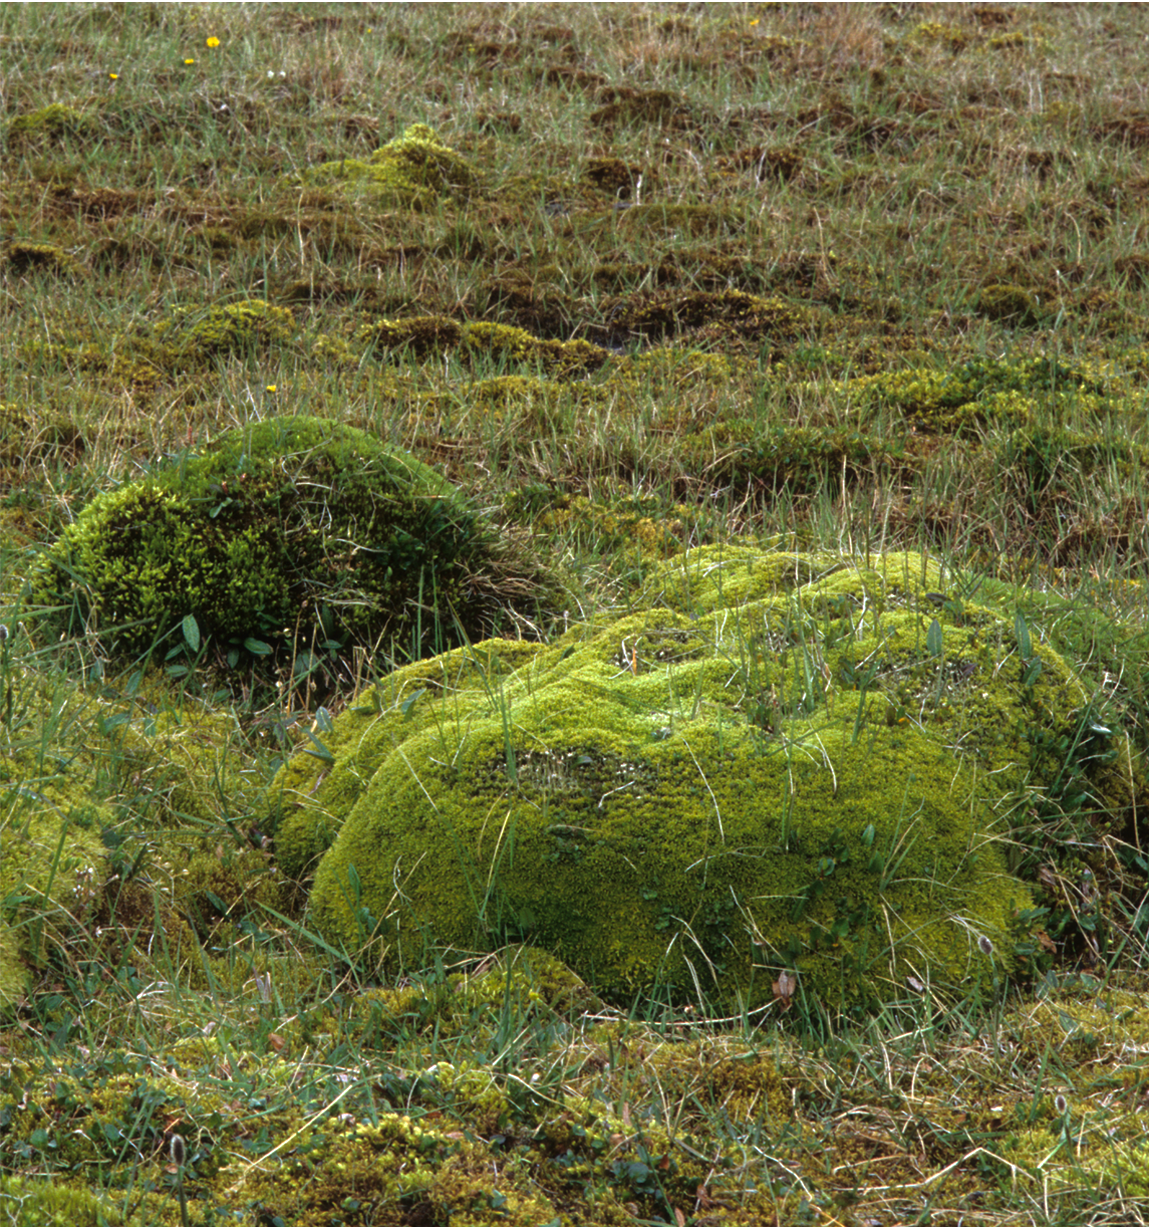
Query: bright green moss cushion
x,y
787,761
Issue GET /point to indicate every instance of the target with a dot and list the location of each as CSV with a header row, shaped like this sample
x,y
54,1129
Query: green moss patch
x,y
797,772
414,169
53,121
237,327
291,532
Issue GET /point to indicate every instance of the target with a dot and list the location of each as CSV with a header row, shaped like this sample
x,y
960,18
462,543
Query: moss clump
x,y
658,219
419,336
36,1203
561,358
782,163
50,856
956,399
39,257
235,328
526,400
429,334
796,457
399,1170
643,527
294,533
54,121
726,312
1009,304
414,169
788,762
34,434
618,179
626,105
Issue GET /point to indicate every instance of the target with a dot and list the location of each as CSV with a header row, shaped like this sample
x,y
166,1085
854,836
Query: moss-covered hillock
x,y
295,534
413,170
188,333
783,762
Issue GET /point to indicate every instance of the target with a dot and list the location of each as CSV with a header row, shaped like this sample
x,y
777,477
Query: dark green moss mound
x,y
251,324
22,258
1011,304
292,533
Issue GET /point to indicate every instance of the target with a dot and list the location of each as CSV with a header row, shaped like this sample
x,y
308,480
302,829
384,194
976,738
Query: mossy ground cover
x,y
834,281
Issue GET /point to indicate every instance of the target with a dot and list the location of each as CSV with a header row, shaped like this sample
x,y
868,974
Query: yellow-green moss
x,y
418,337
413,169
38,1203
730,311
954,399
310,806
630,526
39,257
562,358
253,323
51,857
54,120
798,770
387,1169
1010,304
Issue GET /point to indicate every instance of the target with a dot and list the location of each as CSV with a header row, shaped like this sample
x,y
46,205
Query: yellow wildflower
x,y
189,61
213,41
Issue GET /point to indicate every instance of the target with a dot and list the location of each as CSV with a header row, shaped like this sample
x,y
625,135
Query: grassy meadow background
x,y
858,278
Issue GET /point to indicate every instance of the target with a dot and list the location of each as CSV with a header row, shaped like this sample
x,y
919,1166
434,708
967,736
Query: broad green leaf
x,y
1024,643
934,638
190,629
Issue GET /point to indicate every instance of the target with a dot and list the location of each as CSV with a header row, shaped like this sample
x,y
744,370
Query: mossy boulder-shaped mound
x,y
297,533
1011,304
191,332
414,169
787,762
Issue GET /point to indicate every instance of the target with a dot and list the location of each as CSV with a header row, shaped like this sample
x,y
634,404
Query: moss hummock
x,y
785,762
414,170
294,532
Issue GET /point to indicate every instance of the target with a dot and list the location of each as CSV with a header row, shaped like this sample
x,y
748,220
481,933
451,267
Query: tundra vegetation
x,y
497,437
